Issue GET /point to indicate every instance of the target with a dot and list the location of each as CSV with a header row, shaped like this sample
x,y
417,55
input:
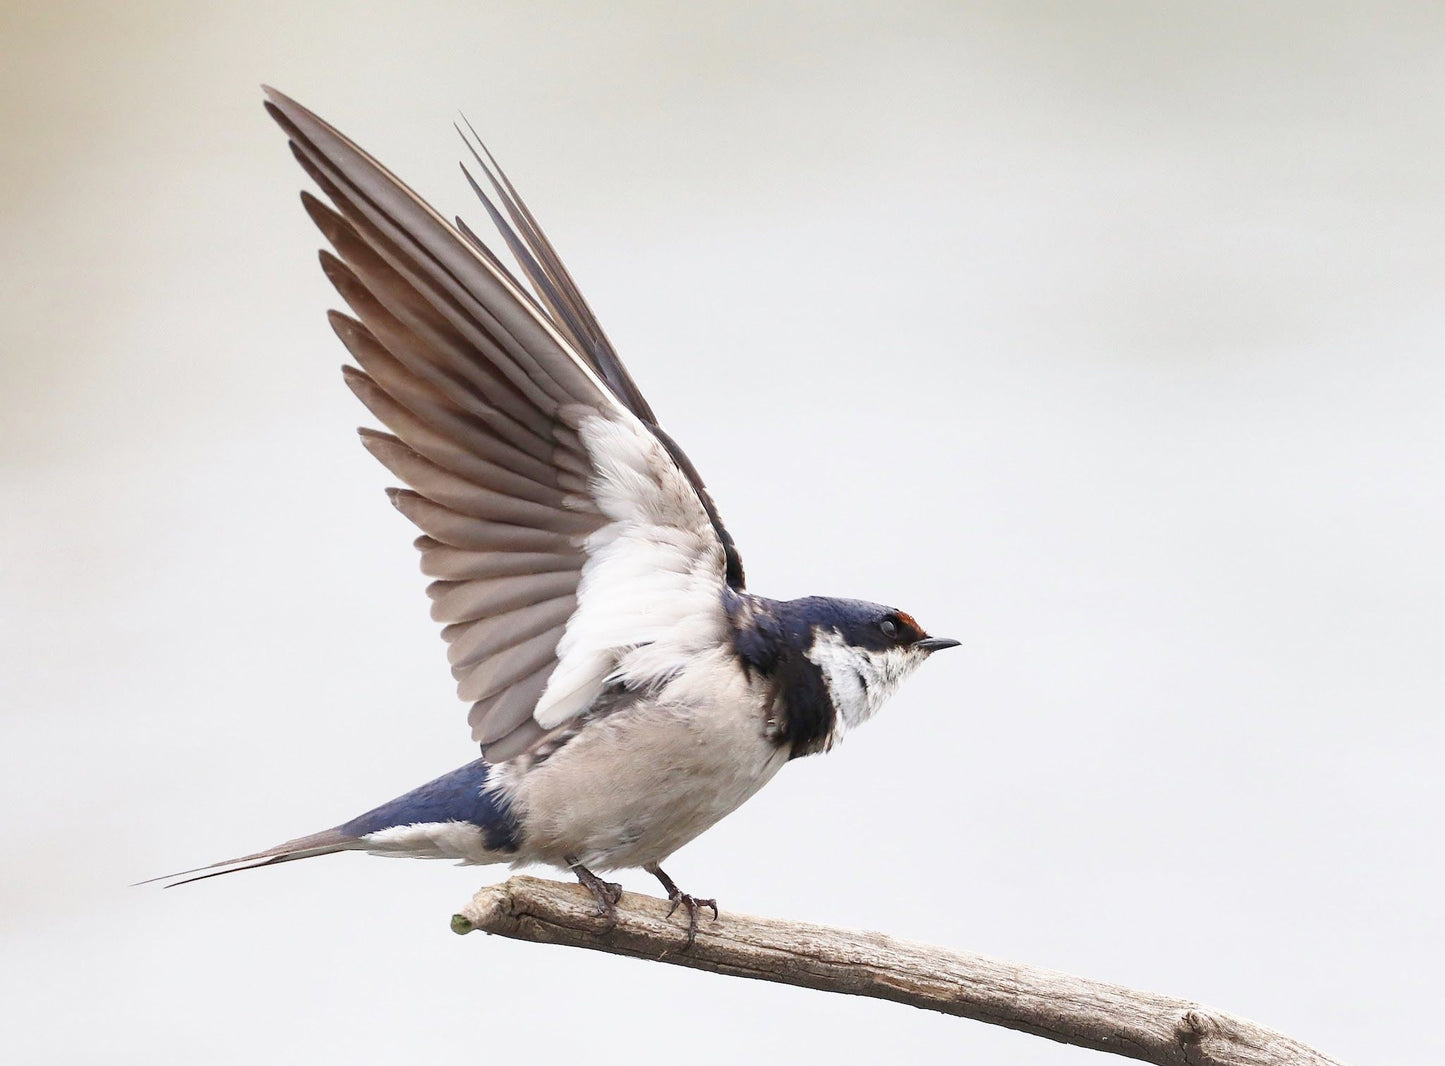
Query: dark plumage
x,y
774,637
459,796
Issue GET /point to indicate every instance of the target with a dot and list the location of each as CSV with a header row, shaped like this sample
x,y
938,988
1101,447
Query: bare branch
x,y
1072,1010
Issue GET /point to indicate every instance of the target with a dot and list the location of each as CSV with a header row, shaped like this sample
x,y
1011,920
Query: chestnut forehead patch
x,y
910,626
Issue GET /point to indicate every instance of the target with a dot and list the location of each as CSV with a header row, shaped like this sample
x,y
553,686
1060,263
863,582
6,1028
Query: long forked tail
x,y
322,843
451,817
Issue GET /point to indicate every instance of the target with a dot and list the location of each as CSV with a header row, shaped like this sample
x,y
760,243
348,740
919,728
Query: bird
x,y
626,690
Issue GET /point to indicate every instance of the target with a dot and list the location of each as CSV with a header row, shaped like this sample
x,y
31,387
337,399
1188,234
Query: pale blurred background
x,y
1105,337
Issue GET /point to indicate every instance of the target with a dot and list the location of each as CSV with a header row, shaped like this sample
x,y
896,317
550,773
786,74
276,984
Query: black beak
x,y
931,644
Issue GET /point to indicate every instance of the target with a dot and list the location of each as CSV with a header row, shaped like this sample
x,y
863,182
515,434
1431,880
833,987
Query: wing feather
x,y
571,542
508,666
420,246
414,332
399,373
469,601
443,451
473,641
457,564
469,498
481,436
497,717
465,531
551,279
572,314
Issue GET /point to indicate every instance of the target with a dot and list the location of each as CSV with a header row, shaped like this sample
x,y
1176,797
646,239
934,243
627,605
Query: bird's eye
x,y
889,628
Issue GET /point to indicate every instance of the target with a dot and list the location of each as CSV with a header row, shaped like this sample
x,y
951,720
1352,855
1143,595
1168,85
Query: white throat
x,y
859,681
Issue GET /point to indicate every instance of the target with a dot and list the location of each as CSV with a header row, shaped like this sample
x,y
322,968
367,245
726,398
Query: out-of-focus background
x,y
1105,337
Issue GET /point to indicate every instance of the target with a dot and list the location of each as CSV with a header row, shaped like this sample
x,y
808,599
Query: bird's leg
x,y
681,898
607,893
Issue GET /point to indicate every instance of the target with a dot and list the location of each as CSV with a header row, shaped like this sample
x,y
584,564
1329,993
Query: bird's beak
x,y
932,644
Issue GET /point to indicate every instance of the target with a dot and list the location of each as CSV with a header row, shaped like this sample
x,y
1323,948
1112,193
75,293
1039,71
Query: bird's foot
x,y
692,904
679,898
606,893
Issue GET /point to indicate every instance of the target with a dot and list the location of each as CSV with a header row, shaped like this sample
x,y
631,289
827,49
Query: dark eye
x,y
889,628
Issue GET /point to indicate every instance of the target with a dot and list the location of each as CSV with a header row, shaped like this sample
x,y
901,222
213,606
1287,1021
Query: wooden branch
x,y
1071,1010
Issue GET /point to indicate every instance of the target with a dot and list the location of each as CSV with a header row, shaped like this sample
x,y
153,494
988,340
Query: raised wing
x,y
571,541
573,317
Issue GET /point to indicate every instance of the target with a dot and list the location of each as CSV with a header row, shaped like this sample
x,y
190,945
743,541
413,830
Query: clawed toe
x,y
692,904
680,898
606,893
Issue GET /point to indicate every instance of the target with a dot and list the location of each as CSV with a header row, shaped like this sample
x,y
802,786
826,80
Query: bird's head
x,y
837,661
863,651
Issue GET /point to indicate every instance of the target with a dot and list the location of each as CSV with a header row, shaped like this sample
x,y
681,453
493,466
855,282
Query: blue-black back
x,y
459,796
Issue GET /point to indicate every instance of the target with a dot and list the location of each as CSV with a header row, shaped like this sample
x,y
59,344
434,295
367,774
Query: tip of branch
x,y
494,908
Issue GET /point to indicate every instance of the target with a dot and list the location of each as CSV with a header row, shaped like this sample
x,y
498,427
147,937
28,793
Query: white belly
x,y
633,787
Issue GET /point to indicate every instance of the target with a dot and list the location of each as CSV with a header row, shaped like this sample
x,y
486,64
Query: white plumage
x,y
650,593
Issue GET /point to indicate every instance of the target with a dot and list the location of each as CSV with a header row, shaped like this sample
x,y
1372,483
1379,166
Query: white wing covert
x,y
571,541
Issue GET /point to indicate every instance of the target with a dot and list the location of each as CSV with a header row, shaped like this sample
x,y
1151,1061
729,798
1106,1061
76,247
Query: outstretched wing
x,y
570,539
573,317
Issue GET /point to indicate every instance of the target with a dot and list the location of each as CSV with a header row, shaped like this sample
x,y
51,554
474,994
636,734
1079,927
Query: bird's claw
x,y
607,893
679,898
693,905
